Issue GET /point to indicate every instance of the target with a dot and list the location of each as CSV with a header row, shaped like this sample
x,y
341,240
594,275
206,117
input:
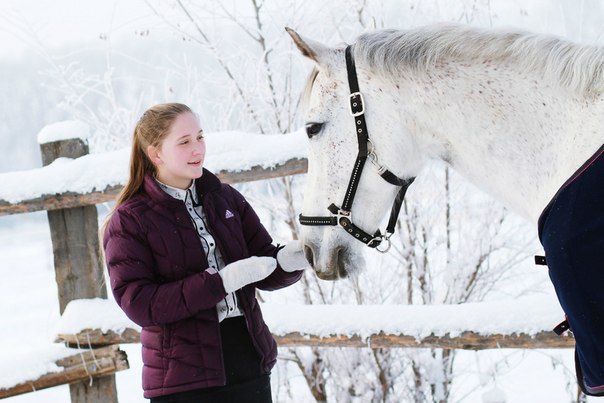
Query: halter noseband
x,y
341,215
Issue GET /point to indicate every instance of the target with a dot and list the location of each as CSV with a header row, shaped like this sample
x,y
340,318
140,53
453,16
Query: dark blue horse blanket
x,y
571,230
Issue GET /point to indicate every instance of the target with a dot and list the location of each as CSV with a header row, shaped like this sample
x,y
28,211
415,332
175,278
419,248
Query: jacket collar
x,y
207,183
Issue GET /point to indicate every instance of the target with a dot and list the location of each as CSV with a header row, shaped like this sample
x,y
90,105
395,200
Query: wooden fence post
x,y
78,264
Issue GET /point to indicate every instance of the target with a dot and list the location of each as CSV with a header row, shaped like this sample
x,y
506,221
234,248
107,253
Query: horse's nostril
x,y
341,267
308,254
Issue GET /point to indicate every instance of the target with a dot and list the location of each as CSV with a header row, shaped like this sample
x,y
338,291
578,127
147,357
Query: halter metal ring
x,y
388,245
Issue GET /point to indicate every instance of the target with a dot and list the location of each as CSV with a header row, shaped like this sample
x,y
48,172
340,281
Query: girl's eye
x,y
184,142
200,137
313,128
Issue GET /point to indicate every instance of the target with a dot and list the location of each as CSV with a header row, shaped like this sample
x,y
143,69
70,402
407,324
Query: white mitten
x,y
246,271
291,258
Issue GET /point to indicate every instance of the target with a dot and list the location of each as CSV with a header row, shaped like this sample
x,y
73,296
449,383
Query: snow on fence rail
x,y
98,178
79,367
470,326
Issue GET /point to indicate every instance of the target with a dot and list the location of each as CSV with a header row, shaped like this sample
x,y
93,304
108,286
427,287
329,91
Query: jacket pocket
x,y
166,344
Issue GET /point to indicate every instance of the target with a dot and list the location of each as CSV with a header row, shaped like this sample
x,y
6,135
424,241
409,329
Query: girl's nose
x,y
199,149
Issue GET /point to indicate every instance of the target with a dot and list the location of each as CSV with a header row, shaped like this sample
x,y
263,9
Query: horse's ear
x,y
309,48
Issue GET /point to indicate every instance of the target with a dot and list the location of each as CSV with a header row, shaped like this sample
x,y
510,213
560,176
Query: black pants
x,y
245,381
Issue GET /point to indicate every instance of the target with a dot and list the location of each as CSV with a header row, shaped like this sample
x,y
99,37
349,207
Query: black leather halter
x,y
341,215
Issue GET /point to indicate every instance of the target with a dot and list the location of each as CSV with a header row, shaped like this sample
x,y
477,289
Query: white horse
x,y
519,115
514,113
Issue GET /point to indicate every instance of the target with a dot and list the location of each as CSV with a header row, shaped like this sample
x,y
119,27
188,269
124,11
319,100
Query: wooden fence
x,y
79,272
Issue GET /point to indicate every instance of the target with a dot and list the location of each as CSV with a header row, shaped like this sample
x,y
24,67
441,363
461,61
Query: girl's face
x,y
179,158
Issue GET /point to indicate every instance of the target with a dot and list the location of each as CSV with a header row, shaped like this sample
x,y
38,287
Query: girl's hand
x,y
291,258
246,271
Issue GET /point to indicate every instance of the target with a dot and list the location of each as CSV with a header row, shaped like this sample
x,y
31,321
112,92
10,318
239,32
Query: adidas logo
x,y
228,214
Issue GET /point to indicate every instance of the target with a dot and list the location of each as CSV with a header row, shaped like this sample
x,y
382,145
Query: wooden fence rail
x,y
70,199
77,368
465,341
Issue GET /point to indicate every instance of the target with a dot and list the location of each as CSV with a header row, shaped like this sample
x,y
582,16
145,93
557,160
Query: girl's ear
x,y
153,153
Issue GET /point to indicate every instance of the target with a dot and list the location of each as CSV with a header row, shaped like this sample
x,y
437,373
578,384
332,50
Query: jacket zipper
x,y
240,293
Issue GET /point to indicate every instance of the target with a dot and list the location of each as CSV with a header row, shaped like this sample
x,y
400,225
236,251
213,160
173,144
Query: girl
x,y
185,254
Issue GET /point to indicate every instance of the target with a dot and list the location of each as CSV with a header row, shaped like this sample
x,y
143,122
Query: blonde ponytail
x,y
151,129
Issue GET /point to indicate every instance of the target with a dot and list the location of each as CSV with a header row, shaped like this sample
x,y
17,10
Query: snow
x,y
494,395
502,317
420,321
64,130
31,320
32,363
79,175
98,171
95,313
238,151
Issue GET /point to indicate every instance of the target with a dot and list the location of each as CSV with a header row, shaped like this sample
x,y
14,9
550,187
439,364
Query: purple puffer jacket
x,y
157,267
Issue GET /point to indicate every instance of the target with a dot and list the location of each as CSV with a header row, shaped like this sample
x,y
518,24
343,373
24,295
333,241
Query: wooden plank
x,y
96,338
76,252
70,199
465,341
78,368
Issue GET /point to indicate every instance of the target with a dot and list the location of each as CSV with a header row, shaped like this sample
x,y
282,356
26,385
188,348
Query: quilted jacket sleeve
x,y
144,300
259,243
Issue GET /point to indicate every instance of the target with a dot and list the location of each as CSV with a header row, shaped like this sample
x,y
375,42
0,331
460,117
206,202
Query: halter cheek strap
x,y
341,215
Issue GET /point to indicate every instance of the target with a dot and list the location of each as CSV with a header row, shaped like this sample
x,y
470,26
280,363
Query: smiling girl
x,y
185,254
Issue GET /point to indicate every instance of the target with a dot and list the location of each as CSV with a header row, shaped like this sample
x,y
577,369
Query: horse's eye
x,y
313,129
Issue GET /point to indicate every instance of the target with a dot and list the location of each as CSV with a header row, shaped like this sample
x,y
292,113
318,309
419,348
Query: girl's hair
x,y
151,129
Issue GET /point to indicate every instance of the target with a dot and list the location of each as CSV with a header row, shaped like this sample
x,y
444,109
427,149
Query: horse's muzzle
x,y
332,267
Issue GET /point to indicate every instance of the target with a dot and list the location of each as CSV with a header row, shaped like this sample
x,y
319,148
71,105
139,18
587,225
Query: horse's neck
x,y
514,136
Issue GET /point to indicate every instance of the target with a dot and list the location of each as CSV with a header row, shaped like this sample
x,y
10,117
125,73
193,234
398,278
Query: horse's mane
x,y
576,67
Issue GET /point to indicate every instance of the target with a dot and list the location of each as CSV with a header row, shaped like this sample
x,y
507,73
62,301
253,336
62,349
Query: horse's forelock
x,y
308,87
579,68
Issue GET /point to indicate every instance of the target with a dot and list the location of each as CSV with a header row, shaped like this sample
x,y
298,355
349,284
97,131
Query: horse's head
x,y
333,150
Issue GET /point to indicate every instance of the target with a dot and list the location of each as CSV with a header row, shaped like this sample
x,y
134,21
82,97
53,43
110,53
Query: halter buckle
x,y
351,105
343,213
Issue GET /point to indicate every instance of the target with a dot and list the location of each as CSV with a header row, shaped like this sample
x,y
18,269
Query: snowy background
x,y
103,63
